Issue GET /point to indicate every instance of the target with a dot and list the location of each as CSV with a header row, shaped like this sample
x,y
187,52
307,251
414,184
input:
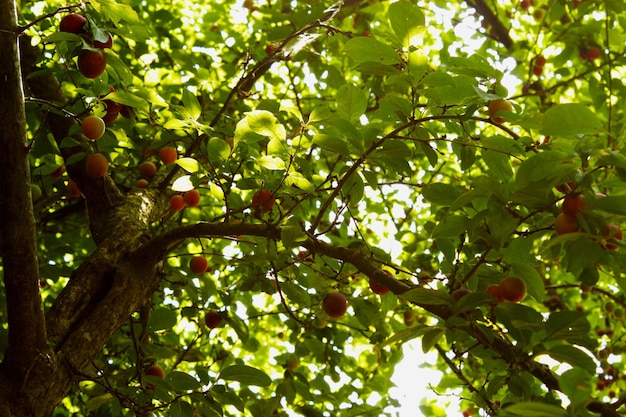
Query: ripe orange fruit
x,y
93,127
513,288
496,106
263,201
177,202
192,198
72,188
495,291
198,264
335,305
378,288
96,165
72,23
155,370
565,224
147,169
168,155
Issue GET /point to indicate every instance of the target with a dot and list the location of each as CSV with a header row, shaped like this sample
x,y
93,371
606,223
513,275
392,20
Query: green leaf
x,y
498,163
319,114
180,408
365,48
521,321
188,164
129,99
568,120
573,356
265,123
331,143
406,19
183,183
246,375
116,11
218,150
162,319
450,226
182,381
291,234
441,193
575,384
272,163
351,102
191,103
535,409
408,333
427,296
542,167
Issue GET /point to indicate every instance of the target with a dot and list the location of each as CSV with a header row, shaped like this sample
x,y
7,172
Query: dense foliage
x,y
333,148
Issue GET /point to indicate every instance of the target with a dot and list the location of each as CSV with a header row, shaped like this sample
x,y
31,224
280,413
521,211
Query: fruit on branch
x,y
108,44
57,173
263,201
198,264
525,4
168,155
72,188
460,293
73,23
378,288
612,233
92,63
155,370
93,127
565,224
574,204
495,291
96,165
409,317
110,117
335,305
513,289
177,202
594,53
142,183
147,169
192,198
496,106
213,319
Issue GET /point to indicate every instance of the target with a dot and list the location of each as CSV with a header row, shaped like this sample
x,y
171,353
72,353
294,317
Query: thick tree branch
x,y
27,332
498,31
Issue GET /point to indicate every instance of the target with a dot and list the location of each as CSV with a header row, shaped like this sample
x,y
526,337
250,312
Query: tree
x,y
320,148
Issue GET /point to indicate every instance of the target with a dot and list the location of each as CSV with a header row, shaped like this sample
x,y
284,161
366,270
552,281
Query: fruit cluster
x,y
496,106
511,289
92,60
567,221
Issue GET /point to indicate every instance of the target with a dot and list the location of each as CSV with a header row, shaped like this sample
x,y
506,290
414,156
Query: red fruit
x,y
612,233
574,204
73,23
96,165
378,288
513,289
213,319
177,202
540,61
168,155
57,173
93,127
537,70
92,63
594,53
141,183
498,105
495,291
335,305
565,224
102,45
147,169
198,265
460,293
263,201
155,370
525,4
192,198
72,188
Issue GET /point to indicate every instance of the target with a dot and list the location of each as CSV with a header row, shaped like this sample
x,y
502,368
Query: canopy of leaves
x,y
367,121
